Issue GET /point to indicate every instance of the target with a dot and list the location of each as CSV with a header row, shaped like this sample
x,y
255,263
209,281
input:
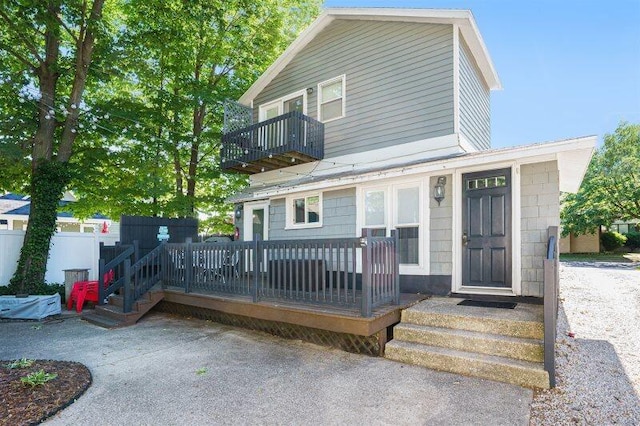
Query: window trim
x,y
390,190
290,213
280,103
342,78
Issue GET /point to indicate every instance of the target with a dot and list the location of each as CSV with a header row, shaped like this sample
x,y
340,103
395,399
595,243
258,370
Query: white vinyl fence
x,y
69,250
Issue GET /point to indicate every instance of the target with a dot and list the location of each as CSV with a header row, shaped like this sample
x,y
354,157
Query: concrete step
x,y
472,341
490,367
525,321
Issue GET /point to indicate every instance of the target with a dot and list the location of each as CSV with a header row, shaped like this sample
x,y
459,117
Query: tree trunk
x,y
48,182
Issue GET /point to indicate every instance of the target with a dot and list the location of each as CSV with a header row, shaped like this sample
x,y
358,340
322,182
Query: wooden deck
x,y
329,318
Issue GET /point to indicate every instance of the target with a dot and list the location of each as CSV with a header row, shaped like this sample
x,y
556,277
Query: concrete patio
x,y
172,370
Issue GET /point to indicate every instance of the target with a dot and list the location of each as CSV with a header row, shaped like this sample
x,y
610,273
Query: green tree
x,y
182,60
611,187
46,50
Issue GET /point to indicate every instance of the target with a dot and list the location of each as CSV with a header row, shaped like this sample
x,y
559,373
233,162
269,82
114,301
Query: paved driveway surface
x,y
169,370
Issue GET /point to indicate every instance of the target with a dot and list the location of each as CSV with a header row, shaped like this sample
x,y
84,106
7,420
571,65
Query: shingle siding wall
x,y
440,231
540,207
475,109
338,218
399,82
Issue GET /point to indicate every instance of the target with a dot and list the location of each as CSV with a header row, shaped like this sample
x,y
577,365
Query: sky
x,y
568,68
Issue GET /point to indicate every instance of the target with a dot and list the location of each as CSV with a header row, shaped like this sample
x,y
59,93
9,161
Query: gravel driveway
x,y
598,370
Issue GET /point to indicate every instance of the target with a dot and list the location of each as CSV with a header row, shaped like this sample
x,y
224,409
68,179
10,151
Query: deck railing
x,y
321,271
289,132
551,298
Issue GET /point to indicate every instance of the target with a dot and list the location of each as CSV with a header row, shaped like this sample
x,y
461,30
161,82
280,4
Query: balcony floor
x,y
277,161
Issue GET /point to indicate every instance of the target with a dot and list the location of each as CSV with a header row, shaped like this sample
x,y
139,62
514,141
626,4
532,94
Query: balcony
x,y
283,141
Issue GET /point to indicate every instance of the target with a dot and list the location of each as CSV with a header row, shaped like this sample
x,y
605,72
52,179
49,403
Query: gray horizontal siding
x,y
475,121
338,218
399,82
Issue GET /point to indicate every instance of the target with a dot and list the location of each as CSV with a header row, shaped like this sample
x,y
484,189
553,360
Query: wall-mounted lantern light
x,y
238,212
438,189
309,90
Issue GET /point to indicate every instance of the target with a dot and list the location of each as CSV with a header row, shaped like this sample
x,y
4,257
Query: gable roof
x,y
462,18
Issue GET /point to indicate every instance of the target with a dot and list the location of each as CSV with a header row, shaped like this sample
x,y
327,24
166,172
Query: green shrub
x,y
612,240
37,378
633,240
20,363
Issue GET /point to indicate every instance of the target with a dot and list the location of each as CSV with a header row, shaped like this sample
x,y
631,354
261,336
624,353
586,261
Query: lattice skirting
x,y
367,345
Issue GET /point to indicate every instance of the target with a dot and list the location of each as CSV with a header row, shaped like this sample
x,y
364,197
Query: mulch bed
x,y
21,404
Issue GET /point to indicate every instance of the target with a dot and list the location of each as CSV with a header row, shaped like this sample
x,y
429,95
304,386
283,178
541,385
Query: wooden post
x,y
257,251
136,251
549,320
188,265
127,303
382,341
101,272
551,297
365,243
396,267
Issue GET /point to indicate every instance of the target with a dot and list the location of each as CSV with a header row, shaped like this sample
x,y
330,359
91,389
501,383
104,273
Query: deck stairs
x,y
111,315
504,345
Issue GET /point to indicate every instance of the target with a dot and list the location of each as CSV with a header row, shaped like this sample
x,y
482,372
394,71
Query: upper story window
x,y
293,102
304,211
331,99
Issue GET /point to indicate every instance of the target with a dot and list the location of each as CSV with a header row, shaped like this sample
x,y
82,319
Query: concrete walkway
x,y
173,371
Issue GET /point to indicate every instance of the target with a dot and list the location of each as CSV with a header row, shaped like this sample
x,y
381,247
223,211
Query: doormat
x,y
483,304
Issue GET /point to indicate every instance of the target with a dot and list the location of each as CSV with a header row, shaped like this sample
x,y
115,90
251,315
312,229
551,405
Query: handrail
x,y
114,264
551,297
135,279
143,275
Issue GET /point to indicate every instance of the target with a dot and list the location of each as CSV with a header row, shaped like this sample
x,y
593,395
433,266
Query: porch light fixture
x,y
438,189
238,212
309,90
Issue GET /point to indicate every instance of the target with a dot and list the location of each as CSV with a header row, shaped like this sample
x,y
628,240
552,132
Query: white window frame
x,y
290,211
390,190
280,104
342,78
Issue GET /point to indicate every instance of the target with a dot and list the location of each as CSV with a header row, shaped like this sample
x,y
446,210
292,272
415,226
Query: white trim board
x,y
572,155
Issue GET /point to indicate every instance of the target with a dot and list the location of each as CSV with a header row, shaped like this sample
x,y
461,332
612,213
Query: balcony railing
x,y
283,141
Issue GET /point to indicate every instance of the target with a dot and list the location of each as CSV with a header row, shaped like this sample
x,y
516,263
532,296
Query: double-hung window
x,y
305,211
395,207
331,99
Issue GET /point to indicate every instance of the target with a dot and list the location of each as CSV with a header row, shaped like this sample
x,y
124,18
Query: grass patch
x,y
600,257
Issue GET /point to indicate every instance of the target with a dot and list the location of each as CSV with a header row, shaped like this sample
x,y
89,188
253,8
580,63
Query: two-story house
x,y
380,118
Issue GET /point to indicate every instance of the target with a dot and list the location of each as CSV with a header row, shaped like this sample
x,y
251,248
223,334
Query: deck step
x,y
472,341
101,320
524,321
491,367
112,316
